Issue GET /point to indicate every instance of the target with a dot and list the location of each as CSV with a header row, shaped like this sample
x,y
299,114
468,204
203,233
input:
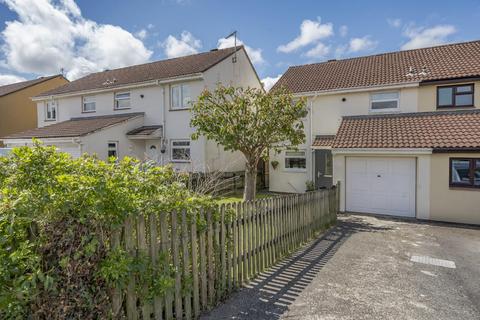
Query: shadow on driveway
x,y
269,295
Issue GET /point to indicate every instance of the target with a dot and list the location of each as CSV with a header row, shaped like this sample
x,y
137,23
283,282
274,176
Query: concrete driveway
x,y
363,269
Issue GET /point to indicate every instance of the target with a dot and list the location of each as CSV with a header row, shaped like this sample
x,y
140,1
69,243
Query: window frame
x,y
285,157
115,99
180,147
94,102
471,173
454,94
181,86
47,103
116,148
384,100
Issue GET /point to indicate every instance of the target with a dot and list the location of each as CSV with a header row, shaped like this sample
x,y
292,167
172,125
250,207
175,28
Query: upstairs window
x,y
295,160
122,100
180,97
465,172
455,96
51,110
180,150
384,101
112,149
88,104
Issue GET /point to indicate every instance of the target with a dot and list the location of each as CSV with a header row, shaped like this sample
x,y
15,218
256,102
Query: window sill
x,y
179,109
119,109
464,187
89,111
295,170
50,120
180,161
455,107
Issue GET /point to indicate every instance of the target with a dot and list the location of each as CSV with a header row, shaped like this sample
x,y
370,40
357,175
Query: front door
x,y
323,168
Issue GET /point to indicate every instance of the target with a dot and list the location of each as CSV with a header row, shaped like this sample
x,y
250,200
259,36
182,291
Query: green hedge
x,y
56,214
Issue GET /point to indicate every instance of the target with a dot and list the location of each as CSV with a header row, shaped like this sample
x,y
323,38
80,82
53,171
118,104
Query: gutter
x,y
356,89
400,151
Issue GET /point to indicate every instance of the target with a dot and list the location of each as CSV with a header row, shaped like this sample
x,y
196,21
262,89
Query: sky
x,y
45,37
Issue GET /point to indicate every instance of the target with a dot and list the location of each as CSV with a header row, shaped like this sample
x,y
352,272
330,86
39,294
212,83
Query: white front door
x,y
381,185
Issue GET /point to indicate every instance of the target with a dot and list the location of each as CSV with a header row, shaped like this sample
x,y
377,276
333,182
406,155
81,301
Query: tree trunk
x,y
250,181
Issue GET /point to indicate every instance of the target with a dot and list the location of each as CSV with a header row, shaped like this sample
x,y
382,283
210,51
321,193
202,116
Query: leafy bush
x,y
56,217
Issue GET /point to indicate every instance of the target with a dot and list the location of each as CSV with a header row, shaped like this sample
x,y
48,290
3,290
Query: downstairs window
x,y
465,172
295,160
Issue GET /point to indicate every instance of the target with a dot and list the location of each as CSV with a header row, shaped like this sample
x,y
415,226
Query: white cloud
x,y
395,23
343,31
319,51
254,54
427,37
48,36
361,44
310,33
187,44
268,82
10,78
142,34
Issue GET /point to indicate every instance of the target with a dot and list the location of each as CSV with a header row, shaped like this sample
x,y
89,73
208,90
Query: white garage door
x,y
381,185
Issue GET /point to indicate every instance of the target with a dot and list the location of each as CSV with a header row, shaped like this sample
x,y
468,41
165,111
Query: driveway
x,y
363,269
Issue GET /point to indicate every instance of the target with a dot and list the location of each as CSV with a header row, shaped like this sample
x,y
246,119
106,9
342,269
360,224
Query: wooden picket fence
x,y
245,239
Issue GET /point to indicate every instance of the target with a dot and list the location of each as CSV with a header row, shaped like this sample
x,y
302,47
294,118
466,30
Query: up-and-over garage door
x,y
381,185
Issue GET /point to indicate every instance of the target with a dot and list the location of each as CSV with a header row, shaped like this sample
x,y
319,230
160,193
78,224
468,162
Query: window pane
x,y
181,153
328,164
385,96
123,104
464,100
89,106
295,163
476,178
181,143
125,95
464,89
445,96
460,171
176,94
384,105
185,96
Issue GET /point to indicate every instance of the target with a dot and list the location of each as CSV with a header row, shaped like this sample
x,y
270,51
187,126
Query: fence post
x,y
195,271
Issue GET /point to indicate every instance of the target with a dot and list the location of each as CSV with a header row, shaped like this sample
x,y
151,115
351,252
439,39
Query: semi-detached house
x,y
142,111
400,131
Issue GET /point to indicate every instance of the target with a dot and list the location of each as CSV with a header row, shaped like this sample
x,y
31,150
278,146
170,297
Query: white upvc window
x,y
88,104
122,100
180,150
180,96
51,110
295,160
384,101
112,149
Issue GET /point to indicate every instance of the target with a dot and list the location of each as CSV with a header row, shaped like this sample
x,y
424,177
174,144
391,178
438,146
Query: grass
x,y
239,196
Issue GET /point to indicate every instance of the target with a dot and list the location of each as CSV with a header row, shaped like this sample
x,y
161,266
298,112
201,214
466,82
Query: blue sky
x,y
42,36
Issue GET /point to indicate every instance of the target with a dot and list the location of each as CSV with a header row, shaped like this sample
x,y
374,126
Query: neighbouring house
x,y
17,110
142,111
400,131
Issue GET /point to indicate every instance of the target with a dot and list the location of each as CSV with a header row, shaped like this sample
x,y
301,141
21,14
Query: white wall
x,y
324,117
156,106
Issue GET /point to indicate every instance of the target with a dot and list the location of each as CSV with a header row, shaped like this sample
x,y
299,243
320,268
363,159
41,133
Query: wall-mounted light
x,y
344,99
141,96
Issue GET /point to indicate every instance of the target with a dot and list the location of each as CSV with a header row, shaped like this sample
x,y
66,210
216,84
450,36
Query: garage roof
x,y
75,127
440,130
459,60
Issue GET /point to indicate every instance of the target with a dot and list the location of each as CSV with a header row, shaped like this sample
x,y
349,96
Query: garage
x,y
381,185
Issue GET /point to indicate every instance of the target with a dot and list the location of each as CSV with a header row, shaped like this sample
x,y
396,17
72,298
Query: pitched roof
x,y
437,130
75,127
10,88
460,60
157,70
323,141
144,130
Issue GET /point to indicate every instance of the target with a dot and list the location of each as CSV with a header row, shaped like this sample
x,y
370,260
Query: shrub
x,y
56,216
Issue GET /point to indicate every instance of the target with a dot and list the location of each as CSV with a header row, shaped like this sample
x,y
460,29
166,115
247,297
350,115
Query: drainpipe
x,y
162,141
